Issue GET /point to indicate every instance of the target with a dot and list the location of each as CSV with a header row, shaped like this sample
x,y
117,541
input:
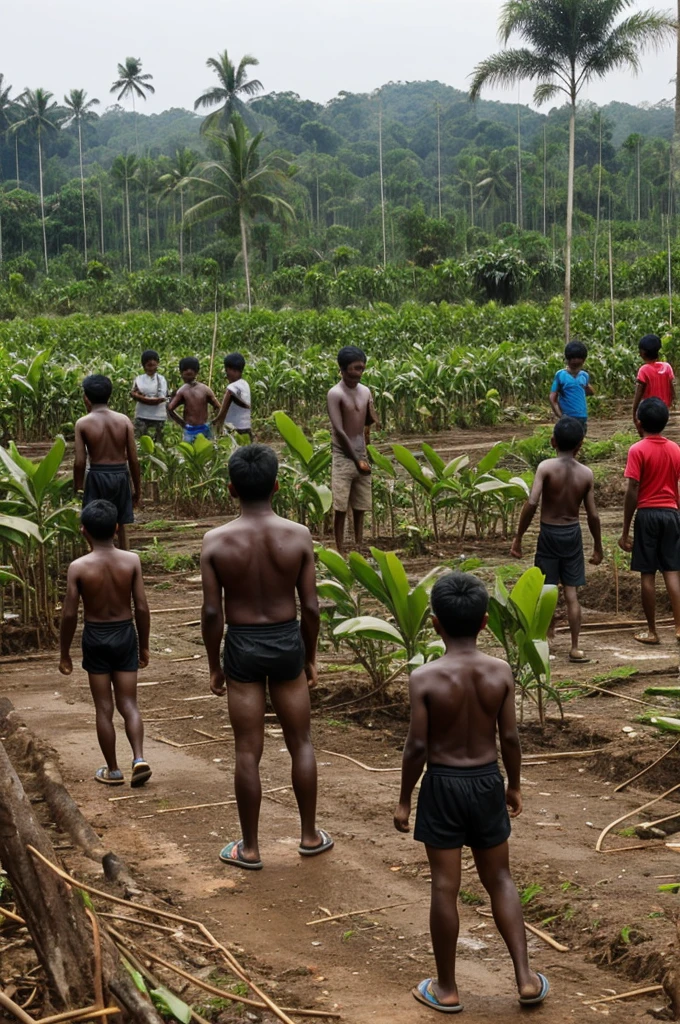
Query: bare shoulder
x,y
496,667
120,417
298,533
421,677
214,537
82,420
335,391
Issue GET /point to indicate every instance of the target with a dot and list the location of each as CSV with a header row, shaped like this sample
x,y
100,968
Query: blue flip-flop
x,y
110,777
311,851
423,994
535,1000
232,854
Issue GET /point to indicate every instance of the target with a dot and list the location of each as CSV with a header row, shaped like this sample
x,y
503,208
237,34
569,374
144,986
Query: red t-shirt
x,y
655,463
658,381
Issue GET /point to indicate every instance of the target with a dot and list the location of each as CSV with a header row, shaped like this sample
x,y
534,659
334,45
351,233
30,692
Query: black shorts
x,y
656,540
257,654
112,482
110,647
462,807
559,554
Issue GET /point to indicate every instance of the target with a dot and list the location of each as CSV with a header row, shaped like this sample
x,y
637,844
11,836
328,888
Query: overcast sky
x,y
313,47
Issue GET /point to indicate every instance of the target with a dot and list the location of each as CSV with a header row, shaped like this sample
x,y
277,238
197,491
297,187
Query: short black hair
x,y
653,415
568,434
148,355
650,345
253,470
350,354
97,388
460,602
189,363
234,361
575,350
100,518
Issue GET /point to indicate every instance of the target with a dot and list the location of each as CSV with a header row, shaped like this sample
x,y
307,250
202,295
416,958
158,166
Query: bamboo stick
x,y
15,1009
538,932
220,803
357,913
625,995
4,912
630,814
613,693
168,611
649,767
75,1015
366,767
155,927
567,753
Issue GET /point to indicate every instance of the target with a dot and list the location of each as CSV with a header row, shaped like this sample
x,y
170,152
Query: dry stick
x,y
15,1009
586,626
647,769
613,693
630,814
228,957
194,622
98,980
157,721
4,912
534,931
210,736
366,910
167,611
220,803
156,928
192,657
625,995
76,1015
627,849
567,753
659,821
204,696
366,767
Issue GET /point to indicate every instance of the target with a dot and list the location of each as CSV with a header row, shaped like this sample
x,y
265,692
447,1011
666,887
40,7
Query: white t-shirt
x,y
237,416
152,387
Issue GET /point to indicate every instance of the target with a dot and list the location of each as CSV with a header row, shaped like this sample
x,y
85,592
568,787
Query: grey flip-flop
x,y
311,851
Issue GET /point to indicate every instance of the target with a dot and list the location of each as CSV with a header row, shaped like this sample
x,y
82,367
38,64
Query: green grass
x,y
159,557
529,892
471,899
159,524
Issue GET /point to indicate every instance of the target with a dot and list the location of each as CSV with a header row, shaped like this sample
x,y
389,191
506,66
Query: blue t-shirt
x,y
571,393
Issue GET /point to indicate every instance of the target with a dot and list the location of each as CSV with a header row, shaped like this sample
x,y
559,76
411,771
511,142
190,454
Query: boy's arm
x,y
222,414
415,753
177,399
672,393
309,609
528,512
554,402
511,751
334,406
639,395
629,505
593,523
142,614
69,620
212,619
133,463
79,460
211,399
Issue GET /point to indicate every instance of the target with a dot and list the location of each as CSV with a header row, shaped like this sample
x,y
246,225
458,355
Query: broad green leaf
x,y
21,526
33,374
410,463
135,975
397,585
47,469
331,590
663,691
534,656
29,467
365,574
319,462
319,494
492,458
525,594
23,384
666,724
146,444
168,1003
336,564
418,608
294,437
495,622
202,445
454,467
435,460
381,461
545,609
9,577
370,627
15,477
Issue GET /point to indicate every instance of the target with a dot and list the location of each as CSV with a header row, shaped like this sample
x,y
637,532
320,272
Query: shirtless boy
x,y
109,440
195,397
251,569
562,485
350,408
457,705
108,580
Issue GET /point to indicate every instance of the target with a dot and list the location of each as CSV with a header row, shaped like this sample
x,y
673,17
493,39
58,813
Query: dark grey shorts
x,y
559,555
656,540
271,653
462,807
112,482
110,647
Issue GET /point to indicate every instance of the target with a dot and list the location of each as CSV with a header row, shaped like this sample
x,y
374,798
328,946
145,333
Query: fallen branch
x,y
591,687
220,803
627,849
168,611
534,931
191,657
649,767
201,732
659,821
630,814
625,995
4,912
358,913
567,753
75,1015
15,1009
366,767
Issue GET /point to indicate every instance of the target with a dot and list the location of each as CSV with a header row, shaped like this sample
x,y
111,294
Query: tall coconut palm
x,y
147,179
172,183
131,82
39,115
233,83
569,43
80,110
244,183
123,171
469,170
6,105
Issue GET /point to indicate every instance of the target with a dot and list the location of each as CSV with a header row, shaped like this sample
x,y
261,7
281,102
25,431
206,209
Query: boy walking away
x,y
457,705
652,472
655,379
195,397
251,569
150,391
562,485
235,408
350,408
108,439
108,580
570,386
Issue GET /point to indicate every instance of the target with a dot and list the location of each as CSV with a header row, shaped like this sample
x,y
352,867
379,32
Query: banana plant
x,y
307,466
520,619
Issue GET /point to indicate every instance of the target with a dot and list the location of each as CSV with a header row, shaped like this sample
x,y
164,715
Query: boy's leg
x,y
125,692
100,688
359,515
123,542
648,595
444,922
493,867
573,618
672,581
339,531
246,714
291,702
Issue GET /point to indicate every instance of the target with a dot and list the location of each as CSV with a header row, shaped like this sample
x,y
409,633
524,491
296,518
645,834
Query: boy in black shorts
x,y
108,580
457,705
562,485
652,475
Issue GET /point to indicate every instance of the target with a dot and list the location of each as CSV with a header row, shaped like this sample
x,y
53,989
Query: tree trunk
x,y
181,234
82,190
16,156
127,219
42,203
570,222
101,216
244,252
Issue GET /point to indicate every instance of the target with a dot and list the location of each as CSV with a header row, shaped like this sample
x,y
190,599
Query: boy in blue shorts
x,y
195,397
570,386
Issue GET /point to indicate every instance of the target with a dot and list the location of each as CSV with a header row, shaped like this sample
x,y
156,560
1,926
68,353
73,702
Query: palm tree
x,y
81,110
146,176
494,186
233,83
469,169
38,114
242,183
6,106
570,42
172,183
131,82
123,171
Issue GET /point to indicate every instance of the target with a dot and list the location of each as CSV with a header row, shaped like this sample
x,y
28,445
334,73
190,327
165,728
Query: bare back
x,y
106,579
258,561
466,696
564,485
107,436
351,410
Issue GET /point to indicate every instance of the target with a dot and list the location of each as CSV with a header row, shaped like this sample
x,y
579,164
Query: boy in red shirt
x,y
655,379
653,472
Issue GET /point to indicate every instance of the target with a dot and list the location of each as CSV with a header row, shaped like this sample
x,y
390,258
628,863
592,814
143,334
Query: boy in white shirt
x,y
235,409
150,391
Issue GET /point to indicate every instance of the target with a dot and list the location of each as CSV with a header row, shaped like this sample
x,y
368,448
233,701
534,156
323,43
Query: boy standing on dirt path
x,y
351,412
108,580
251,570
457,705
655,379
108,438
195,397
235,408
652,473
562,485
570,386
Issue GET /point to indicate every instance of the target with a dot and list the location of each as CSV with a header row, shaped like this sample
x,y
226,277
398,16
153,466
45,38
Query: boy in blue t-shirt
x,y
570,386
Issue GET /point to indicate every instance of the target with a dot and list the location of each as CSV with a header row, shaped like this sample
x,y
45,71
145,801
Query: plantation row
x,y
429,366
